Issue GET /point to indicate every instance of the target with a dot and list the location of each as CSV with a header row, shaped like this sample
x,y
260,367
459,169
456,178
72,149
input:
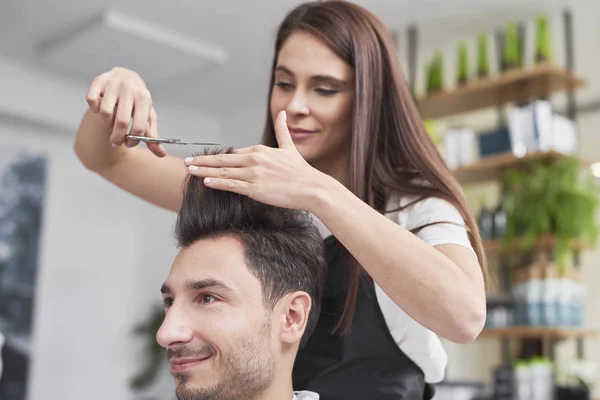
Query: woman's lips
x,y
299,134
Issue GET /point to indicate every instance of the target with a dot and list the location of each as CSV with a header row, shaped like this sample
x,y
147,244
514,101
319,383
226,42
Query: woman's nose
x,y
298,104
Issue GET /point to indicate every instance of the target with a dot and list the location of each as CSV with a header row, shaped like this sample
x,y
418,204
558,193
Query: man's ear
x,y
295,311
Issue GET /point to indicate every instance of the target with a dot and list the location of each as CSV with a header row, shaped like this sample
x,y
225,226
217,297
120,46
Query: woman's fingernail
x,y
114,145
207,180
189,159
192,168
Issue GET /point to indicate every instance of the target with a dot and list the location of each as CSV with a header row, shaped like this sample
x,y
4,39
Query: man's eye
x,y
167,302
207,298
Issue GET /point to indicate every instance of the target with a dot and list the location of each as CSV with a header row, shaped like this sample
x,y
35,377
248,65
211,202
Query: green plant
x,y
551,199
543,47
435,73
155,353
483,60
462,64
512,47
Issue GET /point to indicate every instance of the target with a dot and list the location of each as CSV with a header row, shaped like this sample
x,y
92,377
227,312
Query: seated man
x,y
241,294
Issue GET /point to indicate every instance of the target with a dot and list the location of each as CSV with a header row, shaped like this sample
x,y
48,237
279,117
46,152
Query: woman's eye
x,y
167,302
326,92
284,85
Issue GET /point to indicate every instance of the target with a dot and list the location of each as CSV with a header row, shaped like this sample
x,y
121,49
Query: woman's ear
x,y
296,309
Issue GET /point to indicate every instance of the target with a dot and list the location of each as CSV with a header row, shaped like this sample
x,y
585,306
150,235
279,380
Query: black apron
x,y
364,364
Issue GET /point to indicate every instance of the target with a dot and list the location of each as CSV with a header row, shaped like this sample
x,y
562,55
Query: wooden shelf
x,y
523,332
491,167
545,241
514,86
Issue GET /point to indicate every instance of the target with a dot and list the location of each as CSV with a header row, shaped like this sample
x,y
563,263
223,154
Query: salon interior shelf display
x,y
518,85
523,159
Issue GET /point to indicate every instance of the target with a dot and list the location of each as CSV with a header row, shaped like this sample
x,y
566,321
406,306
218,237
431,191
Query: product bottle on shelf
x,y
486,221
533,294
542,379
523,380
551,294
578,298
566,289
519,290
499,224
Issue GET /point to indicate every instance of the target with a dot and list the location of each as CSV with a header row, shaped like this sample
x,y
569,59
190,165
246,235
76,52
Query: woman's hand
x,y
276,176
118,96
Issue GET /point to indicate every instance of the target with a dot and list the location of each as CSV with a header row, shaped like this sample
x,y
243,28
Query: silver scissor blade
x,y
170,141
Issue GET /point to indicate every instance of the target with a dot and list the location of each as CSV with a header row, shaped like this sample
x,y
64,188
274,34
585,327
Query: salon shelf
x,y
491,167
525,332
514,86
546,241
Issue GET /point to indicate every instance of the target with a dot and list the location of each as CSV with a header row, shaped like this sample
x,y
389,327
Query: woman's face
x,y
316,89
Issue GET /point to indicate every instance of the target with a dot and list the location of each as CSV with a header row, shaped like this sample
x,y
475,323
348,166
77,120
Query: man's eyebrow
x,y
192,285
164,289
211,283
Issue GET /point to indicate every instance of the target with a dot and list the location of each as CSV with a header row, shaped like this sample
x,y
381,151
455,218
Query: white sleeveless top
x,y
419,343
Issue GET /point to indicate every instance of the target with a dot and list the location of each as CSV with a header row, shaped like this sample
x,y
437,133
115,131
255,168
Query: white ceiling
x,y
244,29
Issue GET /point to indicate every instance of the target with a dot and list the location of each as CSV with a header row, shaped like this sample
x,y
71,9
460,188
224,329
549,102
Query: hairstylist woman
x,y
343,140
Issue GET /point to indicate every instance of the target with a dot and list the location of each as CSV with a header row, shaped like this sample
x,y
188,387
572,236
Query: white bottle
x,y
542,381
523,380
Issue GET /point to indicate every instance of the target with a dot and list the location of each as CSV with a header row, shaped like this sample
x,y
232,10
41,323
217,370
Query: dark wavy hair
x,y
283,248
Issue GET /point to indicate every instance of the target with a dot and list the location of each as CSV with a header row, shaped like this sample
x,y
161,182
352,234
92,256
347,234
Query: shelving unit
x,y
547,241
527,332
492,167
512,87
518,86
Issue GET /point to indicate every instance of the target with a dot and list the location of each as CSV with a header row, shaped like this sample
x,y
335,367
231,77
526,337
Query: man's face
x,y
217,332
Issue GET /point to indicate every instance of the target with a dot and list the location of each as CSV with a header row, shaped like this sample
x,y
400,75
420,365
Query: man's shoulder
x,y
306,395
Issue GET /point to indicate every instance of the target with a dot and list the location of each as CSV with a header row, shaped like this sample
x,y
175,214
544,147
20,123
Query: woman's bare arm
x,y
116,98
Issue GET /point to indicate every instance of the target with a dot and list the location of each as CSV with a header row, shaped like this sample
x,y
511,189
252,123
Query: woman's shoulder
x,y
416,209
433,219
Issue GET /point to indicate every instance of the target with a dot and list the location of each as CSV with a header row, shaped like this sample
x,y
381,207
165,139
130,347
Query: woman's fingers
x,y
251,149
230,185
142,103
122,118
222,160
155,148
244,174
95,94
108,103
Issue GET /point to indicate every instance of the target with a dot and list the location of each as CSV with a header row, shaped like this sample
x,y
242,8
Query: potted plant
x,y
462,64
154,352
543,48
555,199
483,61
435,74
511,51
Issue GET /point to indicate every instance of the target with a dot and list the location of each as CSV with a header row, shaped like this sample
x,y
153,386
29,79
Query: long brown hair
x,y
390,147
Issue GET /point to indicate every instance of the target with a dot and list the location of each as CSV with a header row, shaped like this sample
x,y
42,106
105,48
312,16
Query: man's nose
x,y
174,329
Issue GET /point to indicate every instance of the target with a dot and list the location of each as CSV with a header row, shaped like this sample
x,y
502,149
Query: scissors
x,y
170,141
